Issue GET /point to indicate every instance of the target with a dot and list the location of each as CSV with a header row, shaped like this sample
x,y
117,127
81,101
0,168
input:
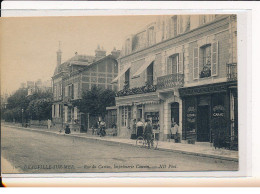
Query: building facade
x,y
181,69
73,77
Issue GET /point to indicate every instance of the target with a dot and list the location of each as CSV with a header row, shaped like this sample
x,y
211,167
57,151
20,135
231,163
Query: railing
x,y
170,81
232,71
137,90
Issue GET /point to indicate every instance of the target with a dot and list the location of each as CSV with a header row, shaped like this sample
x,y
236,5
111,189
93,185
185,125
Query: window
x,y
127,79
205,69
128,47
71,91
76,90
151,36
175,64
66,91
60,90
205,61
126,116
150,74
55,91
173,26
102,67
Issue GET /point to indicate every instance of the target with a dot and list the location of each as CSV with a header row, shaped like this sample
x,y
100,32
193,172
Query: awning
x,y
127,66
147,62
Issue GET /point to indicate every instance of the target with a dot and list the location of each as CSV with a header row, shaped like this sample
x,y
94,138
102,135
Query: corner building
x,y
76,75
182,69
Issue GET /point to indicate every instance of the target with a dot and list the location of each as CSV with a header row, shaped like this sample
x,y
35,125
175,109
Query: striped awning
x,y
147,62
127,66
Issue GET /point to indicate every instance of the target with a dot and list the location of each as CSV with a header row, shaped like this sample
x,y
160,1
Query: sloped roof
x,y
83,60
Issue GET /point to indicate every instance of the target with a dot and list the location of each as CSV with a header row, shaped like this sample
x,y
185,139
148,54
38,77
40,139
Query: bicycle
x,y
142,142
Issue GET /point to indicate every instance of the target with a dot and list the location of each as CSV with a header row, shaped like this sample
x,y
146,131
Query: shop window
x,y
154,117
206,61
150,74
126,116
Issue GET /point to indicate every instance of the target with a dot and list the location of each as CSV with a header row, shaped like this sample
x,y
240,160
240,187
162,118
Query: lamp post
x,y
22,117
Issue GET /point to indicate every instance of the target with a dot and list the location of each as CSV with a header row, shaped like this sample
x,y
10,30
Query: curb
x,y
114,142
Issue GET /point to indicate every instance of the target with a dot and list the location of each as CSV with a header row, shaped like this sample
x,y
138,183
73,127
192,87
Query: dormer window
x,y
151,36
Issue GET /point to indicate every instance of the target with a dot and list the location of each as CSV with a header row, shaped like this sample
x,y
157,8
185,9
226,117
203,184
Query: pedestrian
x,y
133,134
67,129
93,130
148,132
175,130
140,128
102,128
49,123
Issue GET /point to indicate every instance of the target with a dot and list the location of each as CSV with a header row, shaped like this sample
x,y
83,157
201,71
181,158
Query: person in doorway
x,y
175,131
67,129
140,128
148,132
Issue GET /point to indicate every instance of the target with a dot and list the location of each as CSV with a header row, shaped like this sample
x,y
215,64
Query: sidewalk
x,y
192,149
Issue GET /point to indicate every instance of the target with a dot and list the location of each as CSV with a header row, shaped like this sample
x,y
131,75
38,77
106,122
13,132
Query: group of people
x,y
145,130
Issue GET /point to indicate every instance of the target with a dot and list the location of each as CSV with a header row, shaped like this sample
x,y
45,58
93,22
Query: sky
x,y
28,45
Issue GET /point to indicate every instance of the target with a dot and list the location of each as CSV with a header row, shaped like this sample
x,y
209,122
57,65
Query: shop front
x,y
138,107
203,106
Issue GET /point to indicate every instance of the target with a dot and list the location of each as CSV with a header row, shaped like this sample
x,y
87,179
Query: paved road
x,y
34,152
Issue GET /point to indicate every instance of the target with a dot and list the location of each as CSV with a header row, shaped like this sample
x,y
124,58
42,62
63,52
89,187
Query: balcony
x,y
137,90
232,72
170,81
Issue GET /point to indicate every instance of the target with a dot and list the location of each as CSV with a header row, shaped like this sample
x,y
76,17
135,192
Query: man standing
x,y
148,132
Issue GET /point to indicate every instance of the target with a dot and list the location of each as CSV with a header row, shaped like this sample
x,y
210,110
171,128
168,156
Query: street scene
x,y
120,94
33,152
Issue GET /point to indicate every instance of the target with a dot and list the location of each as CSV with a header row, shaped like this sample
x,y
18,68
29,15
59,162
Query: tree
x,y
36,106
95,101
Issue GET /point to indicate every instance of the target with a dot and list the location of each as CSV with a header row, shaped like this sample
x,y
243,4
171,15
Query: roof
x,y
83,60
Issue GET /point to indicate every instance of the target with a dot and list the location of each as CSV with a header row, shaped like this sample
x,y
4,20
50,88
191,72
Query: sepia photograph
x,y
119,94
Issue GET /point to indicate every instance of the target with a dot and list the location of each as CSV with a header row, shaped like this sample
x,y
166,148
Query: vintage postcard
x,y
108,94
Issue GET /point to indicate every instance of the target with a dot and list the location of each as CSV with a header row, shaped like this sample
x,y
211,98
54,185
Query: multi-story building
x,y
75,76
181,69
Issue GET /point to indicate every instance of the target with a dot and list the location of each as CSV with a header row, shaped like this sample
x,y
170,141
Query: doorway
x,y
203,130
175,112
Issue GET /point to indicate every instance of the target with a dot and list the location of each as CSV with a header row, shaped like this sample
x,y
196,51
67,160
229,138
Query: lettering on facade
x,y
191,114
218,111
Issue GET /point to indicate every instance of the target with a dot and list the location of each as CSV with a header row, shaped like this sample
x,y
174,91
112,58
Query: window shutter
x,y
214,59
169,65
196,63
181,62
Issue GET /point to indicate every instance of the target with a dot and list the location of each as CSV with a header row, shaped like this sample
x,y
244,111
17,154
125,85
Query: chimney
x,y
59,55
100,53
115,53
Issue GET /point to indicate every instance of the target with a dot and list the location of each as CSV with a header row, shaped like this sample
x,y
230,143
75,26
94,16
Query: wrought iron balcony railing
x,y
232,71
137,90
170,81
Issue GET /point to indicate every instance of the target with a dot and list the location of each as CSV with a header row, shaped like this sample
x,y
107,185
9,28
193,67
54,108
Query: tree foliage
x,y
95,101
36,106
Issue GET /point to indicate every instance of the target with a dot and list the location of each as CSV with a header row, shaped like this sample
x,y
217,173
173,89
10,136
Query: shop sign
x,y
191,114
218,111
